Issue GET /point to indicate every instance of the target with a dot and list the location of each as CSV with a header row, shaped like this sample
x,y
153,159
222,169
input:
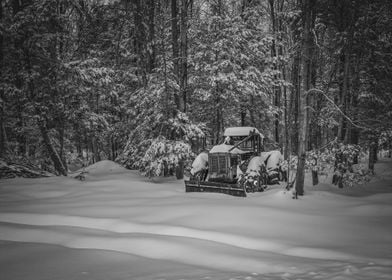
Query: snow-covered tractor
x,y
236,166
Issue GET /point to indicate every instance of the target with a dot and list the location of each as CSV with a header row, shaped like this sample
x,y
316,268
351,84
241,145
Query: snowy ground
x,y
119,225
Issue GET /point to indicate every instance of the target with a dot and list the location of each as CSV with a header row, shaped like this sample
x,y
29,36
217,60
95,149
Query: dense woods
x,y
145,82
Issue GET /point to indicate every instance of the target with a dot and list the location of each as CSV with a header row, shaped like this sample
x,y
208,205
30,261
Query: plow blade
x,y
214,187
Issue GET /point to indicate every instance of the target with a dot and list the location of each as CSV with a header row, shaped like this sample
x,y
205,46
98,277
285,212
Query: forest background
x,y
145,83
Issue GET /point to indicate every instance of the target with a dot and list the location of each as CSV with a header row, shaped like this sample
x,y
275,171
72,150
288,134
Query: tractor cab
x,y
247,139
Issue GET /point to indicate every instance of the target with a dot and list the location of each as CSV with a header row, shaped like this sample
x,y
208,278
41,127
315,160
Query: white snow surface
x,y
104,166
200,163
119,225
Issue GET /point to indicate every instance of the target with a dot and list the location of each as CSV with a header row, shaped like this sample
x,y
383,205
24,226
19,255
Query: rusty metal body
x,y
226,162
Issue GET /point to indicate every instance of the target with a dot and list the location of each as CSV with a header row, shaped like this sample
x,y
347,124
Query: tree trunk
x,y
3,135
372,154
167,110
344,96
175,46
95,149
54,156
287,128
277,115
61,140
293,120
375,152
252,116
183,75
315,180
307,6
22,138
180,46
243,113
151,36
275,53
140,38
87,146
218,120
180,170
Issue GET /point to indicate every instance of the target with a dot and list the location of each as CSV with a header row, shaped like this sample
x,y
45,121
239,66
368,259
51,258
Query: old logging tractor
x,y
237,166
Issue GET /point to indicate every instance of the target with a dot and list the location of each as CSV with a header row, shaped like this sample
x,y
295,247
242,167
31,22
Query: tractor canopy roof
x,y
223,148
242,131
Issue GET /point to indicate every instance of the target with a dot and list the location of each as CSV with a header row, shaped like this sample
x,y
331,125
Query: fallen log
x,y
13,170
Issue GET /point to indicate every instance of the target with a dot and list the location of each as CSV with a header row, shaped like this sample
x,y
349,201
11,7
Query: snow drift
x,y
323,235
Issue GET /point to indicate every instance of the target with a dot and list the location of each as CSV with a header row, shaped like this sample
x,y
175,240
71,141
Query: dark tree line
x,y
141,82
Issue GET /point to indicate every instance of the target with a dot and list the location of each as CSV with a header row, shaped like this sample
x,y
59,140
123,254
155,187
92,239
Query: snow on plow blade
x,y
214,187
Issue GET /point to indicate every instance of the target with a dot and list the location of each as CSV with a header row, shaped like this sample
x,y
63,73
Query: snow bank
x,y
264,236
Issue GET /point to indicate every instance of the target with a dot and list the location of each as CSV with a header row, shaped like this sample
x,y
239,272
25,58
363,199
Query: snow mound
x,y
104,166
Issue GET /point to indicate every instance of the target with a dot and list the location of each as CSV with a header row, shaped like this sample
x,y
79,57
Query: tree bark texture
x,y
275,53
307,6
140,38
57,162
151,52
183,67
3,135
372,154
175,30
293,120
